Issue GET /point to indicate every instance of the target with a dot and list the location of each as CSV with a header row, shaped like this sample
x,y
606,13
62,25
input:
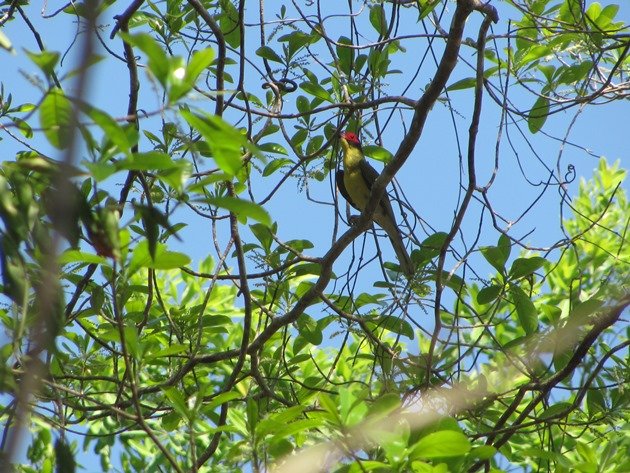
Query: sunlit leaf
x,y
243,209
525,310
442,444
273,148
225,141
159,64
55,118
45,60
377,152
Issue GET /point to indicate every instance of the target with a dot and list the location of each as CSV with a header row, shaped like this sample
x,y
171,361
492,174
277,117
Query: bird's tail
x,y
399,246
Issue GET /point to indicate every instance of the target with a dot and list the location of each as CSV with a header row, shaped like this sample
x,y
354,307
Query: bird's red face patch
x,y
350,137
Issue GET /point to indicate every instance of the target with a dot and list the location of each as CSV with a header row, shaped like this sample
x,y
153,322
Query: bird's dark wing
x,y
384,216
342,188
370,175
368,172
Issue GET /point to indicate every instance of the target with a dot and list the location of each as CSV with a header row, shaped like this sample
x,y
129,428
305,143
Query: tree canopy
x,y
184,288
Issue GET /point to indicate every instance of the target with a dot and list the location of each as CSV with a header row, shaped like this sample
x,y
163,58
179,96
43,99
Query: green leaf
x,y
304,106
606,16
151,160
276,164
532,53
328,404
483,452
169,260
595,402
525,310
158,63
442,444
385,405
426,7
23,126
586,308
495,256
315,144
225,141
121,137
171,350
199,62
273,148
221,399
316,90
45,60
352,406
369,465
243,209
230,24
307,326
171,421
297,40
378,153
429,248
5,42
277,420
100,171
153,219
379,62
554,410
378,20
76,256
55,118
266,52
263,234
505,245
306,269
292,428
281,447
467,83
163,259
177,175
574,73
538,114
176,401
392,324
522,267
345,54
489,294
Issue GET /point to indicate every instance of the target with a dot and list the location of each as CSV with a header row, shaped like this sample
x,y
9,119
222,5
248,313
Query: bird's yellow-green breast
x,y
353,179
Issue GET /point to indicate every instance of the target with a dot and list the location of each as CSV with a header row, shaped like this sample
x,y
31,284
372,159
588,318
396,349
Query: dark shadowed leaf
x,y
538,114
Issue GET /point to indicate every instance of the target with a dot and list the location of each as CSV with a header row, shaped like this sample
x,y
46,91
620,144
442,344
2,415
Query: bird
x,y
355,183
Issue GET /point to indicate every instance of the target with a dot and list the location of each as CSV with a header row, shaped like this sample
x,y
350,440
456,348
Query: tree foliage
x,y
183,289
